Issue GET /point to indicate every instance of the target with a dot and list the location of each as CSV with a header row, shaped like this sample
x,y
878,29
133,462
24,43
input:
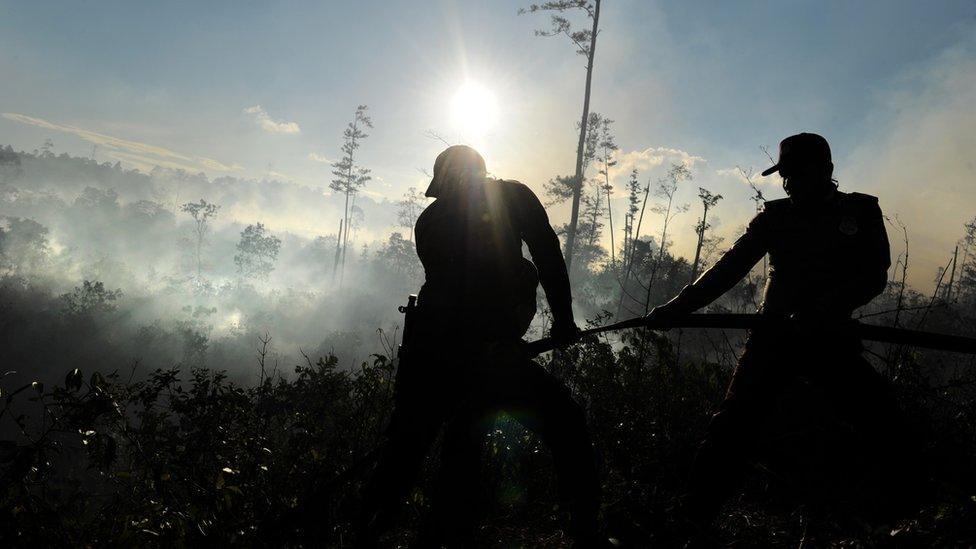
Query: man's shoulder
x,y
512,185
516,191
775,208
860,203
861,198
428,212
777,205
771,215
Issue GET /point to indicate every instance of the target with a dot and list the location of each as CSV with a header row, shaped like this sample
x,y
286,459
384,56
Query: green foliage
x,y
350,178
560,188
561,24
91,297
409,208
10,168
202,213
185,457
256,252
24,248
400,255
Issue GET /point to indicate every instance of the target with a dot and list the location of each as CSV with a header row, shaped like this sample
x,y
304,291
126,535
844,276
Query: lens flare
x,y
475,110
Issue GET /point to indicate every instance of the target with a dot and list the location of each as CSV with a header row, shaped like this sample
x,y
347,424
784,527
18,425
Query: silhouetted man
x,y
475,305
828,255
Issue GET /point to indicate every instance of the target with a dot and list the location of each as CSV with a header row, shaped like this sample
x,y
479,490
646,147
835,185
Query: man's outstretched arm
x,y
548,258
721,277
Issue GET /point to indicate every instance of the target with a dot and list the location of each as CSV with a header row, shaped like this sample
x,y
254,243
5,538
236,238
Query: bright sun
x,y
474,109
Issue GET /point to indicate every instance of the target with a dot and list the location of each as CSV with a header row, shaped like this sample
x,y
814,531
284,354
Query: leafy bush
x,y
187,457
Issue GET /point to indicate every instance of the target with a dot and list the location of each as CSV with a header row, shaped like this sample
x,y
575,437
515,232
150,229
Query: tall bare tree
x,y
590,229
709,200
633,232
201,212
349,176
760,201
585,42
633,199
338,251
947,293
667,189
607,149
562,188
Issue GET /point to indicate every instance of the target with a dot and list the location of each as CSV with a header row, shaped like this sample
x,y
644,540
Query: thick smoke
x,y
100,264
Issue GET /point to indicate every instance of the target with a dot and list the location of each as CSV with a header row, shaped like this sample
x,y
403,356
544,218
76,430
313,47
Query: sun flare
x,y
475,109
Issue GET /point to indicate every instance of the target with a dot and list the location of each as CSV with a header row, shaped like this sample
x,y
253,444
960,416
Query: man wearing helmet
x,y
828,255
476,303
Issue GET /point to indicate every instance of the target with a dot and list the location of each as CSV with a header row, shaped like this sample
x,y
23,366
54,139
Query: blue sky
x,y
709,82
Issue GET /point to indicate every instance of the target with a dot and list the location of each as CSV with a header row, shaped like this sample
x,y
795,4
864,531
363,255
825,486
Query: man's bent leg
x,y
458,499
544,405
867,401
413,427
732,437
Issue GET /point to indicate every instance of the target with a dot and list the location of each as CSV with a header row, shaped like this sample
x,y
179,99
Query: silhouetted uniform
x,y
476,303
831,257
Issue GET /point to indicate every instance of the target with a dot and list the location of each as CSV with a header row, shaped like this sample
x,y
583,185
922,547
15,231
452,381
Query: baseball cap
x,y
801,149
454,163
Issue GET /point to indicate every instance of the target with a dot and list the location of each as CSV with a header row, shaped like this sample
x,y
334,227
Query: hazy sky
x,y
252,89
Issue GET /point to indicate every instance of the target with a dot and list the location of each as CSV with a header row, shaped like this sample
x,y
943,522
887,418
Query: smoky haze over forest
x,y
69,222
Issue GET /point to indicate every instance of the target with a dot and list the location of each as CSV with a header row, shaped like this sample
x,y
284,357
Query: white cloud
x,y
316,157
269,124
146,165
373,194
212,164
756,176
652,157
142,155
280,176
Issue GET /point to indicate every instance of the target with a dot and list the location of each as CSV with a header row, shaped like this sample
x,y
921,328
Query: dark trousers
x,y
433,389
772,360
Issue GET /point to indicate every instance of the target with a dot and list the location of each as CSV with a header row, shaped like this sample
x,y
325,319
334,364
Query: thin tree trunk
x,y
628,227
345,238
578,178
594,219
952,277
698,248
199,245
635,232
412,222
338,252
613,253
904,277
633,247
660,255
935,295
349,187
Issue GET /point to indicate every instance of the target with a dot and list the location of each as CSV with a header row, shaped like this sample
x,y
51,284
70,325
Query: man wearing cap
x,y
465,364
828,255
